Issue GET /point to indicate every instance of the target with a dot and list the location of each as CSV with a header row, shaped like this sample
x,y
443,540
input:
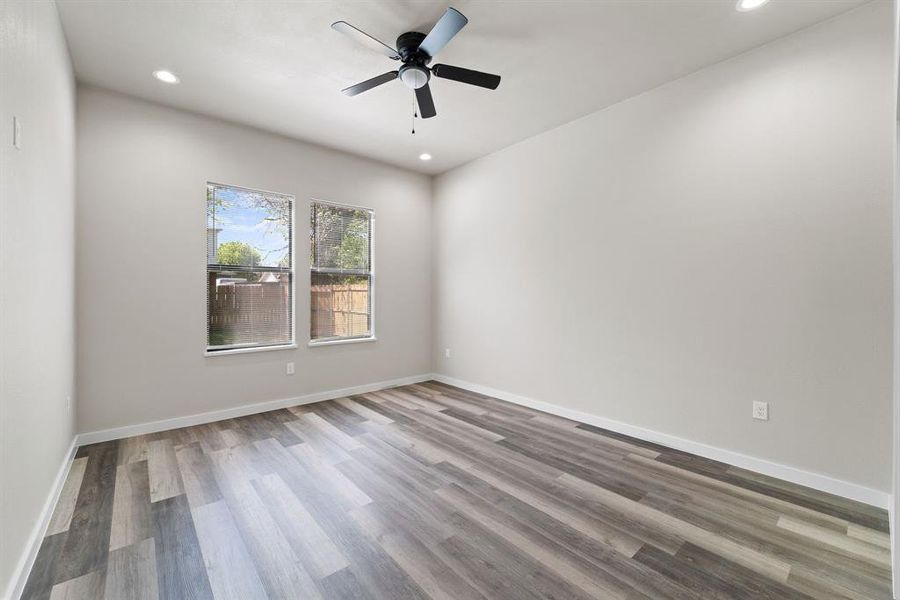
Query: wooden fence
x,y
244,313
339,310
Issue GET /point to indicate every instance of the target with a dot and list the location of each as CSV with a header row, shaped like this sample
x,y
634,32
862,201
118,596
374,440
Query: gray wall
x,y
721,239
37,268
141,226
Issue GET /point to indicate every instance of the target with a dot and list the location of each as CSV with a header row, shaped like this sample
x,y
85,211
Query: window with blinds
x,y
249,268
341,272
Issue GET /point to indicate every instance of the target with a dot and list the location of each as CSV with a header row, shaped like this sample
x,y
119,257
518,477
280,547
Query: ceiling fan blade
x,y
485,80
365,39
426,103
443,31
368,84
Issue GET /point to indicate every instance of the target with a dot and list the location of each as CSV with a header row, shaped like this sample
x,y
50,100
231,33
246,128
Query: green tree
x,y
237,253
353,252
351,227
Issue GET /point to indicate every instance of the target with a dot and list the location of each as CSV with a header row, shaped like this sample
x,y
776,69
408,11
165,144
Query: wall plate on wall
x,y
17,133
761,411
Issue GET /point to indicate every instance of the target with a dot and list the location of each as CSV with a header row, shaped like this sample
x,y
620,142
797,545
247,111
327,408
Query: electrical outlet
x,y
446,352
290,368
761,411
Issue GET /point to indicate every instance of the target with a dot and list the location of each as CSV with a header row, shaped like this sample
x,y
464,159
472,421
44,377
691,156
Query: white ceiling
x,y
279,66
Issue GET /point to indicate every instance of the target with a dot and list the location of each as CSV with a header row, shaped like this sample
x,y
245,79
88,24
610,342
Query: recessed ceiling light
x,y
424,156
748,5
166,76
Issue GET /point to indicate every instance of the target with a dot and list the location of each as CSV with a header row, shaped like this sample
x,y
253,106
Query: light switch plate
x,y
17,133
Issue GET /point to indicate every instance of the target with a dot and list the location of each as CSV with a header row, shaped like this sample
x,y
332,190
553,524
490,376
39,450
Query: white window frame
x,y
356,339
251,348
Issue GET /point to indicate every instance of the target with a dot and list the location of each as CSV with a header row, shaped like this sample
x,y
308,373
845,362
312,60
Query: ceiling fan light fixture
x,y
414,76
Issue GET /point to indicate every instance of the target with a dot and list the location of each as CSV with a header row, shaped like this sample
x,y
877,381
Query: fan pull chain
x,y
415,114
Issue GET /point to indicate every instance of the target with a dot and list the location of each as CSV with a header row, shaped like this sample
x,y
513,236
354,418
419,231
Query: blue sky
x,y
241,221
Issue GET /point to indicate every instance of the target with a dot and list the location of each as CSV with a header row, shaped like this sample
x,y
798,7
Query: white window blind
x,y
249,268
341,272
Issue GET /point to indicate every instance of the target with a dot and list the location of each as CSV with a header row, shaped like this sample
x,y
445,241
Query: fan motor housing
x,y
408,47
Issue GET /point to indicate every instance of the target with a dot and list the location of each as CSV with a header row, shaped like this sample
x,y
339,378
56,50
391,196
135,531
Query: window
x,y
249,269
341,272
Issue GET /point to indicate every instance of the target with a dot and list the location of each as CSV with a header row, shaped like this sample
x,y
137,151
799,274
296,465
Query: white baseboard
x,y
20,575
116,433
810,479
895,549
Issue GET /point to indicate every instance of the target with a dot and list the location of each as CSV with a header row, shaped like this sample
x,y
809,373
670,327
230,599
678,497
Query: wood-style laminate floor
x,y
429,491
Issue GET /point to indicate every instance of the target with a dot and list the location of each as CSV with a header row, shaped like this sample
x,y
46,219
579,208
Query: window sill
x,y
339,342
250,350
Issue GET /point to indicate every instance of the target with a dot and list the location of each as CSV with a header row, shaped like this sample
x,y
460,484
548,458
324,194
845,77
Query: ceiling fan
x,y
415,50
